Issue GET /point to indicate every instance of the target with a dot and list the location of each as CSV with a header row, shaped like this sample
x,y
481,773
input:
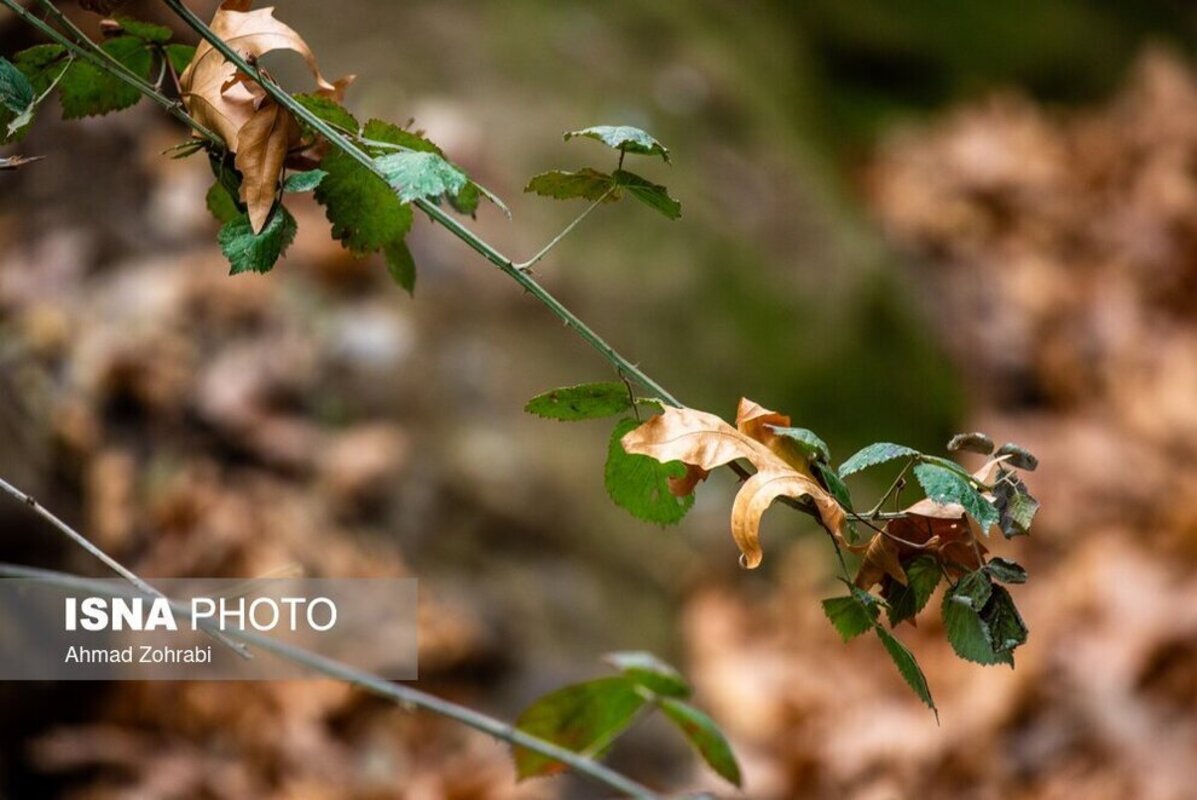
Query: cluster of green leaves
x,y
84,89
588,717
980,618
638,484
597,186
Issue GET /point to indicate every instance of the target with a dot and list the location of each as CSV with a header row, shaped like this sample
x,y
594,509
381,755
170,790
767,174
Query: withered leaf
x,y
237,109
703,442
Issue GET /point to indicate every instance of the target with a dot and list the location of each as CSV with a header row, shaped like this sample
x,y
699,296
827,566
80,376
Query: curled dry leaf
x,y
703,442
252,126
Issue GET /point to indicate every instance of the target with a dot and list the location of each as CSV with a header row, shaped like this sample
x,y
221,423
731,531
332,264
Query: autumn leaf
x,y
703,441
261,150
254,128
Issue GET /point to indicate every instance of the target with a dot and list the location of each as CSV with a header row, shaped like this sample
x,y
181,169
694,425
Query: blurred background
x,y
901,220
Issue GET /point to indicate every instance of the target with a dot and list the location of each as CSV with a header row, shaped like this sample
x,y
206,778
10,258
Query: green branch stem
x,y
405,696
475,242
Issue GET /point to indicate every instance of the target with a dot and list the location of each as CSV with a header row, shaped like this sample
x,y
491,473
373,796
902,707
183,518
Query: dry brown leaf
x,y
703,442
254,128
262,149
881,557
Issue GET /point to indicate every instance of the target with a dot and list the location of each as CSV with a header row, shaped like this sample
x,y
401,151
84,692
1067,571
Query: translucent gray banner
x,y
54,633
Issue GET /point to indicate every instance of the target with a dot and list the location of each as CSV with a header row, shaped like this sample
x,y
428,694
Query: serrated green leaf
x,y
250,252
221,204
851,615
17,100
1006,571
86,90
377,130
329,111
16,92
466,201
585,401
812,446
705,736
1006,629
967,631
400,265
365,212
1019,456
972,442
179,56
303,181
948,464
146,31
585,718
907,666
640,484
421,175
650,672
874,454
905,602
945,486
41,64
623,137
651,194
587,183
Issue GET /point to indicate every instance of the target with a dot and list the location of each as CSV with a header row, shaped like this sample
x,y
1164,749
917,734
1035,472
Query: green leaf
x,y
702,732
1016,507
945,486
585,401
1007,631
381,131
179,56
833,484
400,265
905,661
41,64
365,212
16,92
303,181
222,205
852,615
585,183
1006,571
650,672
585,718
250,252
1019,457
87,91
968,632
640,484
17,100
466,201
146,31
649,193
623,137
329,111
811,445
972,442
905,602
948,464
421,175
875,454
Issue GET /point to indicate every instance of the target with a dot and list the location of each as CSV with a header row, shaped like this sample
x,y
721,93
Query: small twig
x,y
405,696
896,486
107,560
524,265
